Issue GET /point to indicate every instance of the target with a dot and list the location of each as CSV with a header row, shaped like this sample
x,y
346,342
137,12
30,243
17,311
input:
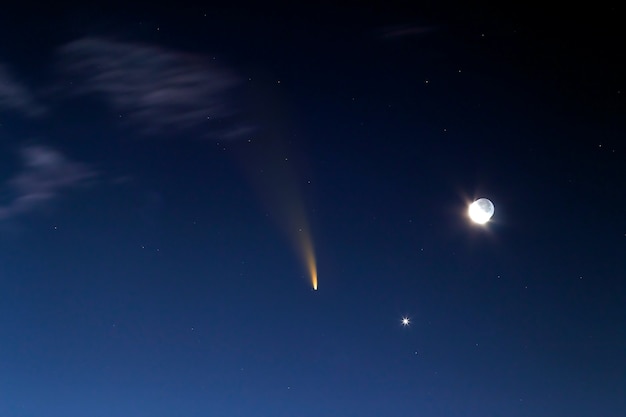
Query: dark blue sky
x,y
162,166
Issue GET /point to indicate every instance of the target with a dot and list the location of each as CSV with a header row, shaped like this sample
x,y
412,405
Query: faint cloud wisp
x,y
402,31
157,89
45,173
14,96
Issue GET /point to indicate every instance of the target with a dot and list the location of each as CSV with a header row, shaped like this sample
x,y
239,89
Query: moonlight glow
x,y
481,210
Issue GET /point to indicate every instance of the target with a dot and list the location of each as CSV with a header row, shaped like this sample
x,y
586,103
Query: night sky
x,y
172,177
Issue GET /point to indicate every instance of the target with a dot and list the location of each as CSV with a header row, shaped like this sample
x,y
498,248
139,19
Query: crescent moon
x,y
481,210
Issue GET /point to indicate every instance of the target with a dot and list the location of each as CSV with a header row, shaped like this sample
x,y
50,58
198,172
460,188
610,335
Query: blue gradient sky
x,y
156,163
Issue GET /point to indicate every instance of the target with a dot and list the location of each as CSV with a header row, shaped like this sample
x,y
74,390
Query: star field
x,y
176,180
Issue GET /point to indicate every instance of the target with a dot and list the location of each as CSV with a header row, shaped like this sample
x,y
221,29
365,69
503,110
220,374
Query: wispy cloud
x,y
44,174
402,31
14,96
159,90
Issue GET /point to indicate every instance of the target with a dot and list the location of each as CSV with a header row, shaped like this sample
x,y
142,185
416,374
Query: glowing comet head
x,y
308,254
313,272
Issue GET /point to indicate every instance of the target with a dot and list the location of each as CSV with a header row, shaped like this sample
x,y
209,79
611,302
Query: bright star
x,y
406,321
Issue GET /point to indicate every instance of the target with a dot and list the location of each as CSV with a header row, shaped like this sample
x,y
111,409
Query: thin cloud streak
x,y
158,90
403,31
14,96
45,173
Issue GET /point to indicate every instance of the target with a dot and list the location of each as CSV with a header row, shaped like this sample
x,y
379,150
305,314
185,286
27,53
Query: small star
x,y
406,321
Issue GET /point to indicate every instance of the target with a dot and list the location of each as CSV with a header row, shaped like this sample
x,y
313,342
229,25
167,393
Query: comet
x,y
270,163
304,244
313,271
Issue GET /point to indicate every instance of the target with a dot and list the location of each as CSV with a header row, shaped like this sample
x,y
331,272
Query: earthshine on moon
x,y
481,210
